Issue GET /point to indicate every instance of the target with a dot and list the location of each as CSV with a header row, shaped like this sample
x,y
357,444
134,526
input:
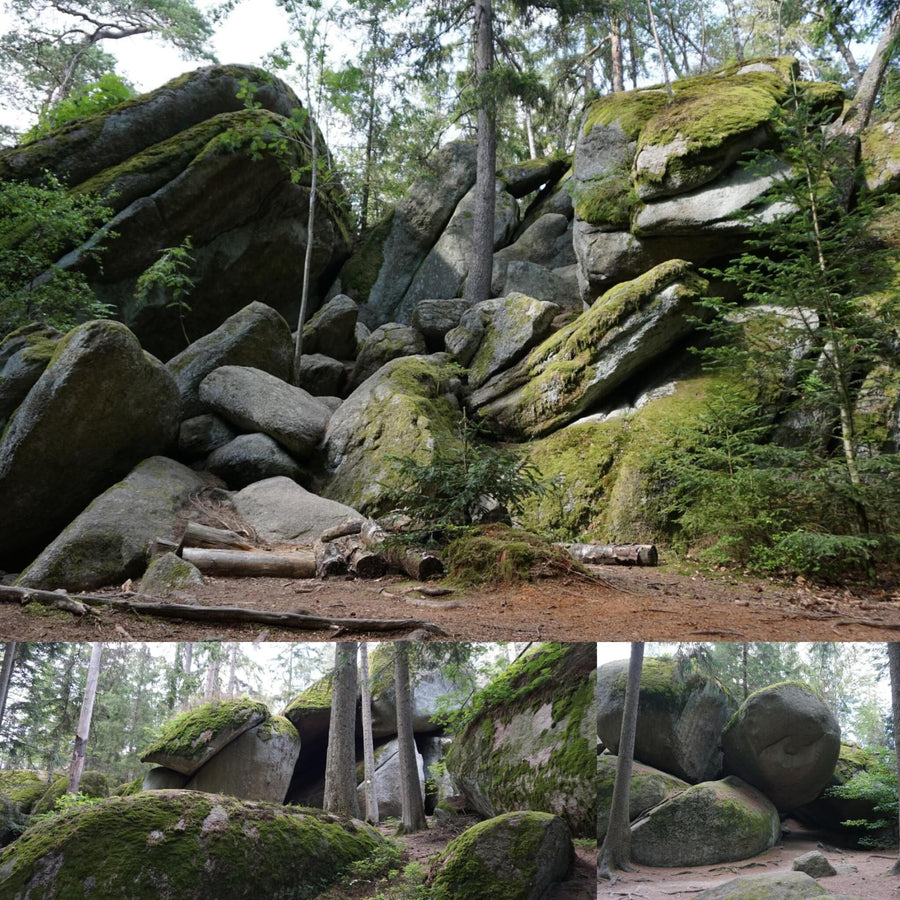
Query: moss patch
x,y
23,788
92,784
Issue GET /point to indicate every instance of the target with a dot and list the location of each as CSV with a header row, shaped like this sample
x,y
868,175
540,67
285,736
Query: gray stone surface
x,y
434,318
200,435
168,574
707,824
163,779
772,886
387,780
255,336
785,741
250,458
99,408
280,511
320,375
390,341
815,864
24,355
107,543
332,330
256,766
254,400
559,286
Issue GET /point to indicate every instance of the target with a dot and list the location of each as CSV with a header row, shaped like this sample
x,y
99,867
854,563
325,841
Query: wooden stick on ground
x,y
212,614
197,535
250,563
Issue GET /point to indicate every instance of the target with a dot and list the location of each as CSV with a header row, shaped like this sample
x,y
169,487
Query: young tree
x,y
412,817
9,655
894,663
340,760
368,743
84,720
615,854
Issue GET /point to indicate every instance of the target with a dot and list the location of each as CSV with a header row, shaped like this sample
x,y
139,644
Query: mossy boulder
x,y
378,275
785,741
24,355
159,778
191,739
531,742
183,844
649,787
392,340
681,714
583,363
258,765
406,408
23,787
255,336
100,407
880,154
93,784
107,543
168,574
772,886
515,856
707,824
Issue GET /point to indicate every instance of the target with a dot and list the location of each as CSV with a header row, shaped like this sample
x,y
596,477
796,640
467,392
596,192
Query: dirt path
x,y
617,604
870,880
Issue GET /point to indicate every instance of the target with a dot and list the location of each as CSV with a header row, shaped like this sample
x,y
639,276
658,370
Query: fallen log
x,y
419,564
197,535
83,603
342,529
614,554
366,564
249,563
330,560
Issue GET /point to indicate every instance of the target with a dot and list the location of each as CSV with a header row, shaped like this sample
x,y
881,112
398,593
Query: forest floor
x,y
861,873
421,848
616,603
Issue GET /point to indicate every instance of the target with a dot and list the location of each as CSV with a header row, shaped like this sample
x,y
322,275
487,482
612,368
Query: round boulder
x,y
250,458
516,856
680,717
772,886
785,741
709,823
183,844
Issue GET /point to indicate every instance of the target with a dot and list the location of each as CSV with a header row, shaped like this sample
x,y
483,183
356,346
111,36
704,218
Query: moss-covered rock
x,y
681,714
785,741
23,787
649,787
530,741
183,844
92,784
387,342
167,574
707,824
516,856
24,355
404,409
582,363
74,436
191,739
772,886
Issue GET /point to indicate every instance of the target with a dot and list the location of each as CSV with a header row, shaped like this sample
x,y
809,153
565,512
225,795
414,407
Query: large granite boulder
x,y
434,318
785,741
332,330
108,542
388,776
649,787
167,575
390,341
280,511
199,436
407,407
160,778
255,336
378,275
185,161
250,458
100,407
581,364
24,355
183,844
537,750
680,716
192,739
256,401
772,886
518,856
258,765
707,824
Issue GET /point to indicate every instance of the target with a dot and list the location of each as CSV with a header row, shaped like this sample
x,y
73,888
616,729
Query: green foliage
x,y
109,90
876,784
170,275
38,224
68,802
455,487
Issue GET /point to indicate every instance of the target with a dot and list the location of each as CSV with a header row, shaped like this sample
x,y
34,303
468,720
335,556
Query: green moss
x,y
24,788
462,874
92,784
360,272
276,726
184,844
630,109
608,201
316,696
129,789
771,687
183,735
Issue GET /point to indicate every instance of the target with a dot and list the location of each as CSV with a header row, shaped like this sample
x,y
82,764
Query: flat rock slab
x,y
281,511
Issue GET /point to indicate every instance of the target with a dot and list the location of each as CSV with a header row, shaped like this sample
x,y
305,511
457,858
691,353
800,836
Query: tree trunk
x,y
857,116
84,720
252,563
894,662
659,49
310,233
9,655
412,817
340,759
614,554
481,260
368,742
615,853
617,63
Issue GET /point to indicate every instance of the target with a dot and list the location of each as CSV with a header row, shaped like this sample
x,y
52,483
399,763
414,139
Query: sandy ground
x,y
614,604
870,881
